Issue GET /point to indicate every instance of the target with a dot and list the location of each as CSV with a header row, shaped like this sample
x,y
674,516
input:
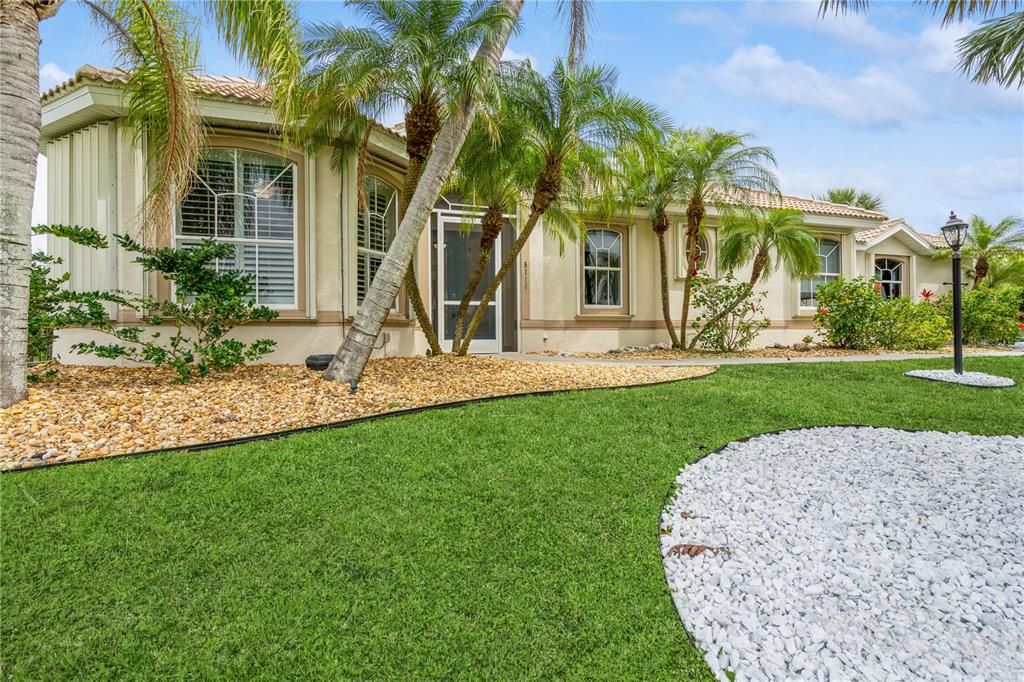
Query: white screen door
x,y
459,252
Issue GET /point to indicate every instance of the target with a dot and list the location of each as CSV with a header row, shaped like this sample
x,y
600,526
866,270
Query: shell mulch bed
x,y
89,412
770,352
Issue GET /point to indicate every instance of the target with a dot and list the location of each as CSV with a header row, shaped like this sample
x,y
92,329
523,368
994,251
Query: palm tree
x,y
154,42
648,177
491,171
992,53
574,118
1005,272
987,244
849,196
716,167
767,239
413,54
355,350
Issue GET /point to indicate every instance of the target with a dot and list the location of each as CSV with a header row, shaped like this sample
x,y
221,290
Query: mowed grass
x,y
508,540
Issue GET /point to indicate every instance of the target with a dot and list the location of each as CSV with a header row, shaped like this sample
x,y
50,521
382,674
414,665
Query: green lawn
x,y
508,540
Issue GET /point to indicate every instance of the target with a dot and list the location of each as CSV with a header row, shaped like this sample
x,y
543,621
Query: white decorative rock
x,y
979,379
853,553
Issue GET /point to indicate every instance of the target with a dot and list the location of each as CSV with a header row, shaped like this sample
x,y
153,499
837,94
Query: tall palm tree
x,y
715,167
987,244
355,350
492,171
153,39
412,54
767,240
849,196
648,177
574,119
992,53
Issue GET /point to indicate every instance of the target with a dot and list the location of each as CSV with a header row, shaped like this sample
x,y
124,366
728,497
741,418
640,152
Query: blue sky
x,y
868,100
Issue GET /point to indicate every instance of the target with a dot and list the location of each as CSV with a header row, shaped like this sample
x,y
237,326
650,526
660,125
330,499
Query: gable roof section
x,y
898,226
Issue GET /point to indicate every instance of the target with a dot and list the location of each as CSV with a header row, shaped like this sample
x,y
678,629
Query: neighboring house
x,y
298,229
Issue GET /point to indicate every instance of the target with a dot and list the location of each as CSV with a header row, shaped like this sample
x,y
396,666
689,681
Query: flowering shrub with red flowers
x,y
927,294
990,316
848,311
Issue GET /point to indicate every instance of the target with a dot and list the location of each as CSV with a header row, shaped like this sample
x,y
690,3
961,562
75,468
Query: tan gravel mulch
x,y
89,412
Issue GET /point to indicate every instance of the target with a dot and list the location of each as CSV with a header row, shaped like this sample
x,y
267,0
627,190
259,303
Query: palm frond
x,y
154,42
577,16
995,51
265,33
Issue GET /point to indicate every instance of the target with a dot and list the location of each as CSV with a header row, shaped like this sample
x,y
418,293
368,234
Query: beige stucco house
x,y
298,228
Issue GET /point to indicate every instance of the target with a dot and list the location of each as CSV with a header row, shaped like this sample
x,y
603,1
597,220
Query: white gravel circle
x,y
853,553
979,379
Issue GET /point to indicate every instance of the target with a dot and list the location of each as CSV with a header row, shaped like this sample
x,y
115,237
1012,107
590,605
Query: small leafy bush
x,y
848,313
905,325
187,332
989,316
46,293
738,329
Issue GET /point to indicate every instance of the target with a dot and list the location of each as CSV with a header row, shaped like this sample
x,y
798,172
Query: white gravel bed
x,y
853,553
979,379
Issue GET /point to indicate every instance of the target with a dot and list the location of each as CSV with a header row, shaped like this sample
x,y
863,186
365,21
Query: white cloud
x,y
851,28
983,177
872,97
50,75
510,55
709,17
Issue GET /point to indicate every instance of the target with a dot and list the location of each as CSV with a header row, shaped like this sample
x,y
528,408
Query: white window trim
x,y
620,238
904,280
255,240
361,250
841,242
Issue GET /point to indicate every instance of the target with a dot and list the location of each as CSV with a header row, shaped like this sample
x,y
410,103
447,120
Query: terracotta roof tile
x,y
865,236
813,206
222,87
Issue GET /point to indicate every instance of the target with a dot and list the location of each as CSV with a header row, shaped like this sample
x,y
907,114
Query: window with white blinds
x,y
247,199
376,228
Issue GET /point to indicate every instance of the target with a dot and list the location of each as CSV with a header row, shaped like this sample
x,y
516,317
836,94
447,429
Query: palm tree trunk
x,y
506,265
491,224
694,214
666,311
19,144
412,289
755,275
355,350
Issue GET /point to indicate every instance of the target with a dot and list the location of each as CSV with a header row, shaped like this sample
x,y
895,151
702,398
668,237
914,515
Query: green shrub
x,y
46,293
848,313
989,316
905,325
188,332
738,329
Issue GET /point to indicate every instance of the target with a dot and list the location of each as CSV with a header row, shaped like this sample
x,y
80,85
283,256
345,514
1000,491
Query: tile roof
x,y
865,236
813,206
218,87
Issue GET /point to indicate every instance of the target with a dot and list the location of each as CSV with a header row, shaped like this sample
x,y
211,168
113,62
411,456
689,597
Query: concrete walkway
x,y
797,357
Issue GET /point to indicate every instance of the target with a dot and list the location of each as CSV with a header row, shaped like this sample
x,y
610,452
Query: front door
x,y
459,249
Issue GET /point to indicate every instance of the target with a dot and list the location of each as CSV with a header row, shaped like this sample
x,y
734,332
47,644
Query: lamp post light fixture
x,y
955,234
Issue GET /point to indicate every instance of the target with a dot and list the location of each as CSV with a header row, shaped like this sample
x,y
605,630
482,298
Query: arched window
x,y
602,268
889,274
377,225
830,254
247,199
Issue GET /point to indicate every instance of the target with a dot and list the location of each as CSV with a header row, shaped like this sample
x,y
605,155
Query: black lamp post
x,y
955,233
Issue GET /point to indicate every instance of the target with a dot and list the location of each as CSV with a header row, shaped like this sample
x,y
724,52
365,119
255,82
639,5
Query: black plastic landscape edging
x,y
274,435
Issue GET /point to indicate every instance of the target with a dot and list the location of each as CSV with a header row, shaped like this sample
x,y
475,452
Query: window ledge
x,y
597,315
